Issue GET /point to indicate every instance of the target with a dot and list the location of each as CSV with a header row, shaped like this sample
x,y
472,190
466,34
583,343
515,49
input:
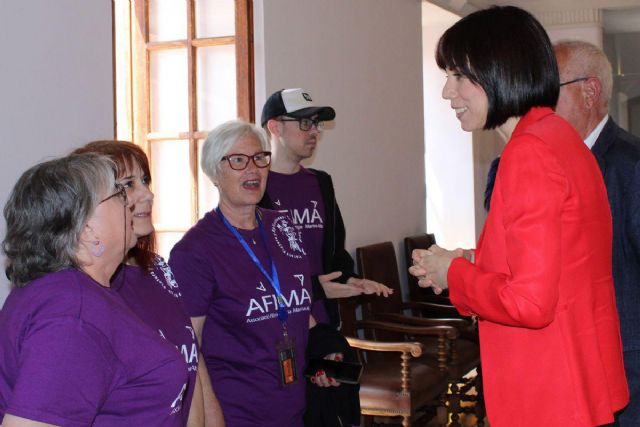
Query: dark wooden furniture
x,y
378,262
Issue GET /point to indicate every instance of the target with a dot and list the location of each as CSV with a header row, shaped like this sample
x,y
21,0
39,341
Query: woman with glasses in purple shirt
x,y
73,353
246,281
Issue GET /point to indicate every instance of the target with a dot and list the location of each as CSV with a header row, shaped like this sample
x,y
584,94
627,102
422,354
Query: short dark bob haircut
x,y
126,155
47,211
507,52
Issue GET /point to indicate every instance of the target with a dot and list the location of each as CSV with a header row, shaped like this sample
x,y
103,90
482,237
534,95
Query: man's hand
x,y
369,287
352,288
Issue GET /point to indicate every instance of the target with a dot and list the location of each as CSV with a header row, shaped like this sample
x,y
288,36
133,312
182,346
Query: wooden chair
x,y
378,262
395,382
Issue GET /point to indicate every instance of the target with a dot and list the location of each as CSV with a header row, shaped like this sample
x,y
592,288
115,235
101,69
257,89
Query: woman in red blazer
x,y
540,284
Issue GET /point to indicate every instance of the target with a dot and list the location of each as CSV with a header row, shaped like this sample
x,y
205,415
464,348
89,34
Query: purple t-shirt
x,y
154,296
299,195
219,280
73,354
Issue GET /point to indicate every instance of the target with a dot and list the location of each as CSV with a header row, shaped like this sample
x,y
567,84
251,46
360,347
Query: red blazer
x,y
541,285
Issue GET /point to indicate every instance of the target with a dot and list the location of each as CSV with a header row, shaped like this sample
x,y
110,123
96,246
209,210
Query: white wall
x,y
364,58
56,89
588,33
448,149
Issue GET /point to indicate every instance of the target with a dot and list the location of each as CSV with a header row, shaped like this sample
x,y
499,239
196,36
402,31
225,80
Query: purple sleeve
x,y
195,277
65,373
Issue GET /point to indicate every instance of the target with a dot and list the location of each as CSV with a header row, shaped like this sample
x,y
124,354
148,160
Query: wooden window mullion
x,y
193,108
244,60
140,73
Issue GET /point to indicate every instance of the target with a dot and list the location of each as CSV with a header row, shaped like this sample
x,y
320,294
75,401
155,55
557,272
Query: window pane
x,y
215,18
171,184
167,20
207,192
166,241
216,86
169,91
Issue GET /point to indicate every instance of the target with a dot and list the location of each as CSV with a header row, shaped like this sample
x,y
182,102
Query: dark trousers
x,y
630,415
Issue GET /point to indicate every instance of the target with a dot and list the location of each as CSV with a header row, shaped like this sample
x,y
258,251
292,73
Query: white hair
x,y
587,60
222,138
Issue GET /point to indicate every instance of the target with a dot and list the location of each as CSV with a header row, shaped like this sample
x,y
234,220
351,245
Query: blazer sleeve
x,y
532,189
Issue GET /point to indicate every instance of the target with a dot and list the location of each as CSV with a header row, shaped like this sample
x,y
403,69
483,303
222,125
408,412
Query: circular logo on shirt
x,y
287,237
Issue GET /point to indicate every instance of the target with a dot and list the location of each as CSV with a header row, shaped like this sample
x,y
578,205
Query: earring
x,y
97,248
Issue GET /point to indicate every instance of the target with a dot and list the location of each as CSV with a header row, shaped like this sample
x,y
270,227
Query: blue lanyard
x,y
273,278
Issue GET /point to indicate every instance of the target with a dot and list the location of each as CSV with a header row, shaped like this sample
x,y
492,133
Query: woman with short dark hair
x,y
540,280
73,354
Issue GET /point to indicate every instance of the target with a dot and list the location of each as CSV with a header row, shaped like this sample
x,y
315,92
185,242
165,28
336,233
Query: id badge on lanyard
x,y
286,347
287,359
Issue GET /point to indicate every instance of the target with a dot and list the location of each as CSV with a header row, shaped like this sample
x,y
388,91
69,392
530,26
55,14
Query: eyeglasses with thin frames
x,y
240,162
579,79
120,192
305,124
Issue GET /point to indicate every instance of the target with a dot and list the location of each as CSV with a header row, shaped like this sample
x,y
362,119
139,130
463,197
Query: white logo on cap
x,y
296,99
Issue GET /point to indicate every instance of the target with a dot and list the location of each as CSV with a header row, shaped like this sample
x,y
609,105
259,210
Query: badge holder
x,y
287,360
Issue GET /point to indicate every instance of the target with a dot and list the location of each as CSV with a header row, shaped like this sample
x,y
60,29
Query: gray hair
x,y
47,211
587,60
222,138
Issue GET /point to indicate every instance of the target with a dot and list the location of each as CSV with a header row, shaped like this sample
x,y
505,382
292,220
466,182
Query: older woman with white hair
x,y
245,279
73,353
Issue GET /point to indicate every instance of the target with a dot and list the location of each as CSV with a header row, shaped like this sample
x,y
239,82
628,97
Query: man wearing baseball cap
x,y
294,124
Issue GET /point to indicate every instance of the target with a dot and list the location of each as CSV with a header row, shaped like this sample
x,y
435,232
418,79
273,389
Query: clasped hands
x,y
431,266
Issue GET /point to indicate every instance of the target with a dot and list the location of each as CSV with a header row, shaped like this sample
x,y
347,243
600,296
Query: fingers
x,y
418,254
425,282
416,270
369,287
329,276
322,380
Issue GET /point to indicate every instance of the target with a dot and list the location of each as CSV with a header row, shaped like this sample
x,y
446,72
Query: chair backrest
x,y
420,241
378,262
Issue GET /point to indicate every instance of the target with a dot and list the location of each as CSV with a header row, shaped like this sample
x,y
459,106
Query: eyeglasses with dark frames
x,y
579,79
240,162
121,192
305,124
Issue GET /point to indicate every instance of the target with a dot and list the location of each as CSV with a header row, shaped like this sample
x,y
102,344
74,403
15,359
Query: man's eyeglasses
x,y
579,79
121,192
239,162
305,124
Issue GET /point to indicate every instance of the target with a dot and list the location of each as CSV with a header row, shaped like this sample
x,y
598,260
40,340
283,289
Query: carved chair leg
x,y
454,405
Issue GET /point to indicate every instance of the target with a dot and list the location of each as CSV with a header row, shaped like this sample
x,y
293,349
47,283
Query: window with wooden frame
x,y
182,67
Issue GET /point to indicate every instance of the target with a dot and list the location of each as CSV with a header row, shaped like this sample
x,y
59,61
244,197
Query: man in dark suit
x,y
585,90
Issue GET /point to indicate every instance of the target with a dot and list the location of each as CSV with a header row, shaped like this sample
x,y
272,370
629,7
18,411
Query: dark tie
x,y
491,180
